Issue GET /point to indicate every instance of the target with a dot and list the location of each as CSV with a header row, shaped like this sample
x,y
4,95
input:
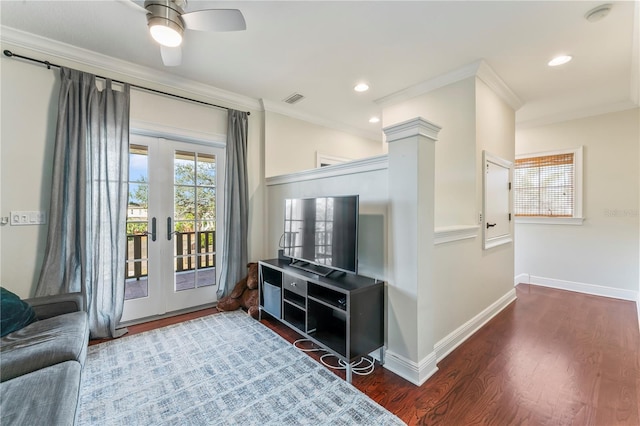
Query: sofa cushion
x,y
14,313
57,304
44,343
43,397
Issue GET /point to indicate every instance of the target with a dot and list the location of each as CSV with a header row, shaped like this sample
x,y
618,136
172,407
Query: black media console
x,y
342,313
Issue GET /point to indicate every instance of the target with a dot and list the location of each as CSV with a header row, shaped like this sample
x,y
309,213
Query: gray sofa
x,y
41,364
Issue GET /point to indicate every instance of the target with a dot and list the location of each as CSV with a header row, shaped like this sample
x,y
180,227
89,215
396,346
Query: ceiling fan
x,y
167,21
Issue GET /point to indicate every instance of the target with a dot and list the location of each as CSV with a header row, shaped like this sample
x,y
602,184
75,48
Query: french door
x,y
173,231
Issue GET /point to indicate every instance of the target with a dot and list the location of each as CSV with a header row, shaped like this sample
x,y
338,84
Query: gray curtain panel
x,y
87,215
236,211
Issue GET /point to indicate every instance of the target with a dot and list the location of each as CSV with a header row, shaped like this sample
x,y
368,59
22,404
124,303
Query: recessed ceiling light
x,y
361,87
374,120
597,13
559,60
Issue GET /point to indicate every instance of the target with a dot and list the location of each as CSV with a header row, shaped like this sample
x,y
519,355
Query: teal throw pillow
x,y
14,313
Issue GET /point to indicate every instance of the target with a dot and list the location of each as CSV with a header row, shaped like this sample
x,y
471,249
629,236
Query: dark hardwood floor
x,y
550,358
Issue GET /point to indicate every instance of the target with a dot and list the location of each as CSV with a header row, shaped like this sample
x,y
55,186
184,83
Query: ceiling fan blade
x,y
135,4
215,20
171,56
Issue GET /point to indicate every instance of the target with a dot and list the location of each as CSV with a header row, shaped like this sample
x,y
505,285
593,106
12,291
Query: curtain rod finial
x,y
8,53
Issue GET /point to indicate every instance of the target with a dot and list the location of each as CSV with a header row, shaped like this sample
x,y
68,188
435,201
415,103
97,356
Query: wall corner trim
x,y
414,127
414,372
454,339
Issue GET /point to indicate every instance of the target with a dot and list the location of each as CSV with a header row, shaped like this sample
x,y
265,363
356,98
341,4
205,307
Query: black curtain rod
x,y
48,64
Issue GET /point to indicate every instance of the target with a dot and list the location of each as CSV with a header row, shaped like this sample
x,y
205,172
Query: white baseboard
x,y
638,309
522,278
445,346
416,373
596,290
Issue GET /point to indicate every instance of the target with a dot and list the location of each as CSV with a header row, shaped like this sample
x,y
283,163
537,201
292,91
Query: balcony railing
x,y
191,249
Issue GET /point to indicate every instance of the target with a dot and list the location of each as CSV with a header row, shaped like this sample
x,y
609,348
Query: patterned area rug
x,y
223,369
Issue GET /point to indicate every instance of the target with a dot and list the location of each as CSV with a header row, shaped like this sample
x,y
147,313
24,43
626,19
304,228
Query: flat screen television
x,y
321,234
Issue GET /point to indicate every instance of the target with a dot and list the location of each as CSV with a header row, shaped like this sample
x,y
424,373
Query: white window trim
x,y
550,220
577,218
329,159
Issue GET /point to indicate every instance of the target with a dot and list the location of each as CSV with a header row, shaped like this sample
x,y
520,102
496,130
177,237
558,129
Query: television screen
x,y
323,231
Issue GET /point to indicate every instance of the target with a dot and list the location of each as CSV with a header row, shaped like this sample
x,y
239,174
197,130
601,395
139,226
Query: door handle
x,y
153,230
491,225
170,230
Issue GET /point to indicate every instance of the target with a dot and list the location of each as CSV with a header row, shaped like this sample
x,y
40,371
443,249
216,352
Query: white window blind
x,y
544,186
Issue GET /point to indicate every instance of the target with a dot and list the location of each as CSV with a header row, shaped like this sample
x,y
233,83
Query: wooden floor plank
x,y
552,357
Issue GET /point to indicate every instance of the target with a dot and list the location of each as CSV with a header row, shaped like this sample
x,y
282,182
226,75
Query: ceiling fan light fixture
x,y
165,24
166,35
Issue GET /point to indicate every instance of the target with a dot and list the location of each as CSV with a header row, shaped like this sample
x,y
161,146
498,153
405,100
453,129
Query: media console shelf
x,y
342,313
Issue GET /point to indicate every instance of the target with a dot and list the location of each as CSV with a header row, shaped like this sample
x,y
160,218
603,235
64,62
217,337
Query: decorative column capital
x,y
415,127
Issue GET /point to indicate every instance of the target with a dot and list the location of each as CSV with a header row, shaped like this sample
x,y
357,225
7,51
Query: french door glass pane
x,y
206,208
206,170
195,219
136,262
184,168
184,202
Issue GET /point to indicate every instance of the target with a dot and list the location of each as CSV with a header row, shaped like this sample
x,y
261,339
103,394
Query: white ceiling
x,y
322,49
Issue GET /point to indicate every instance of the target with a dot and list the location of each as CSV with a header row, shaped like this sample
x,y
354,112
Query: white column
x,y
410,336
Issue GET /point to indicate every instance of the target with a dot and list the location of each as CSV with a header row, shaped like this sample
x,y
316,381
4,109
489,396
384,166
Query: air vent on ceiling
x,y
296,97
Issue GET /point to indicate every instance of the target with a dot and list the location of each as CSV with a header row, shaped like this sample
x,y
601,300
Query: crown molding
x,y
292,112
479,69
70,55
428,85
495,83
575,114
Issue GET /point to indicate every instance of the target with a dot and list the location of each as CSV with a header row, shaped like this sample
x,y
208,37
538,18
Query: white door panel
x,y
177,185
496,201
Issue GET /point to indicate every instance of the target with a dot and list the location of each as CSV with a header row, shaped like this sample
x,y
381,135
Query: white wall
x,y
466,285
604,251
28,116
291,144
28,120
473,118
453,108
470,278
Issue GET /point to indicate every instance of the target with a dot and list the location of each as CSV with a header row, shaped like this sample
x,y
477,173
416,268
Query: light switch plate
x,y
19,218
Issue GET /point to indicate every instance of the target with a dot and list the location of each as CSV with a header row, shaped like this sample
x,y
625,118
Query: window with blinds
x,y
544,186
